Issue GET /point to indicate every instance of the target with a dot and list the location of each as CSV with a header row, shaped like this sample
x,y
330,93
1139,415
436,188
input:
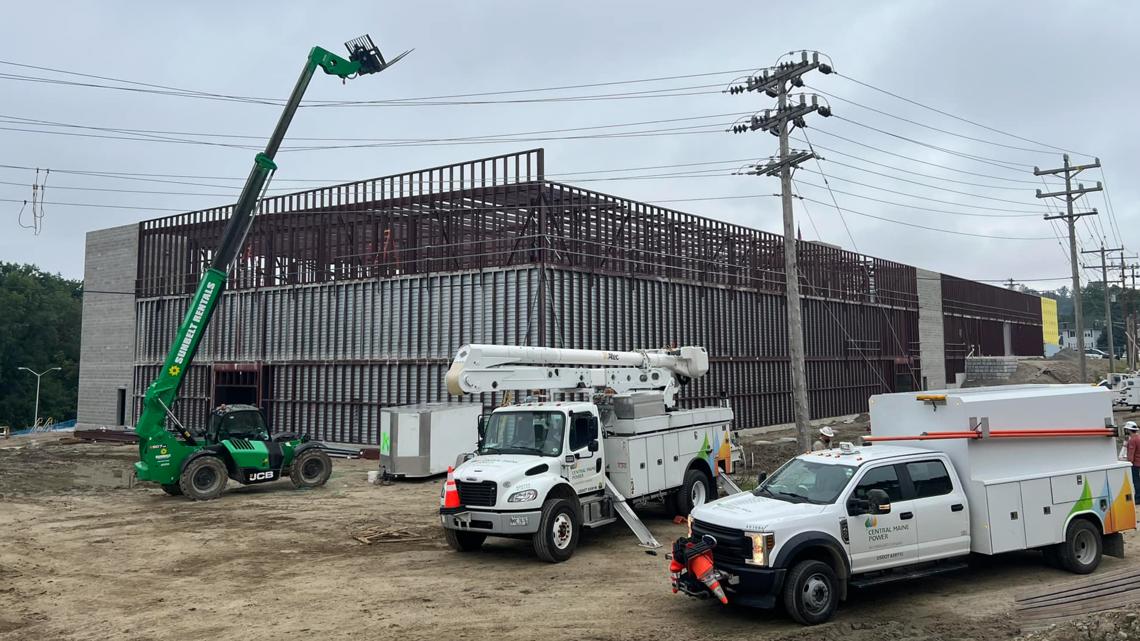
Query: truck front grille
x,y
731,545
480,494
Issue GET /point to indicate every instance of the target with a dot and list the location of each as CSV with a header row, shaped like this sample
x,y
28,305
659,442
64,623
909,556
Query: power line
x,y
919,173
947,202
960,118
997,162
910,158
926,126
937,229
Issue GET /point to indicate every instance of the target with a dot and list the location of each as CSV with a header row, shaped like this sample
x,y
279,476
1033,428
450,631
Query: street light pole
x,y
36,420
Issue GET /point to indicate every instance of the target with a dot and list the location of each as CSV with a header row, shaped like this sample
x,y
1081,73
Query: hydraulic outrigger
x,y
236,444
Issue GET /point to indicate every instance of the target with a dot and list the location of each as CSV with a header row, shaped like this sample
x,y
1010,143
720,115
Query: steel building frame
x,y
394,272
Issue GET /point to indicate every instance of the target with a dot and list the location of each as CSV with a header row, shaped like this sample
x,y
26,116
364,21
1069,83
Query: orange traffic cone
x,y
450,492
675,570
702,567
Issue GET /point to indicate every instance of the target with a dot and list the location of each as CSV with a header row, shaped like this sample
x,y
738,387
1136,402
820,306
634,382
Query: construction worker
x,y
825,436
1132,452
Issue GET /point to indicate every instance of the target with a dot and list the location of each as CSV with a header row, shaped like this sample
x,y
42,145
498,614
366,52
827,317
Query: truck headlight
x,y
762,544
523,496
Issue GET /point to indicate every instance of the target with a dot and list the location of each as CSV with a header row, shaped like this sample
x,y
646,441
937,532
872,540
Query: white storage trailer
x,y
424,440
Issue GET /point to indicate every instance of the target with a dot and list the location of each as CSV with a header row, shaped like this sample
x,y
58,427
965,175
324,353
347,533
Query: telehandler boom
x,y
236,444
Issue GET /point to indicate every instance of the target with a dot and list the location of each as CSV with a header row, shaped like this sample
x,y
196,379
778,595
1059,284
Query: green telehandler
x,y
236,444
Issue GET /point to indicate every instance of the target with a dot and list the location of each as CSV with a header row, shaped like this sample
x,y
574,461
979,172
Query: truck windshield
x,y
800,481
524,433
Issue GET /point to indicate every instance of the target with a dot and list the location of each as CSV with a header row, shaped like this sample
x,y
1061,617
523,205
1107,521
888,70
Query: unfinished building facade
x,y
354,297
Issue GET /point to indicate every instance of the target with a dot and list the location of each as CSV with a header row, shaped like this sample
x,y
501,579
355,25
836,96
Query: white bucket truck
x,y
984,470
544,470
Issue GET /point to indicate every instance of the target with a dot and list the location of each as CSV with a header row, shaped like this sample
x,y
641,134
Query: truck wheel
x,y
1081,551
464,541
172,489
811,592
696,490
310,468
204,478
558,531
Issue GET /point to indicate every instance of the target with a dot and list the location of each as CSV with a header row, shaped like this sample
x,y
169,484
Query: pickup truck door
x,y
587,472
940,508
881,541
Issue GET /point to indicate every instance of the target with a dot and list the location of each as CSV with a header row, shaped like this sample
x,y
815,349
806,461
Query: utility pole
x,y
1010,284
775,82
36,420
1107,300
1130,315
1069,195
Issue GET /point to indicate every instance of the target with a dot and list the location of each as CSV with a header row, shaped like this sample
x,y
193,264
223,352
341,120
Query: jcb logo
x,y
261,476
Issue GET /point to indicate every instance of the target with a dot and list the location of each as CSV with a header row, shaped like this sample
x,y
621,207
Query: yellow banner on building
x,y
1049,327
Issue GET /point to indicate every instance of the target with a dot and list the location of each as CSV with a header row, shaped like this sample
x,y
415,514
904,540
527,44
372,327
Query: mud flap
x,y
1113,545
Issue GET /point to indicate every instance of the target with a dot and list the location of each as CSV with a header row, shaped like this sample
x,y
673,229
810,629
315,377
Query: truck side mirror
x,y
879,502
593,446
482,428
761,477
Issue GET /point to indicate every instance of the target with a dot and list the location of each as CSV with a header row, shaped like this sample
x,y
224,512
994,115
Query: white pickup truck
x,y
985,470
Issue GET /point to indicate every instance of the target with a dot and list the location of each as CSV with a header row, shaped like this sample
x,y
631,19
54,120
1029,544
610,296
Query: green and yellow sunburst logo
x,y
871,522
174,370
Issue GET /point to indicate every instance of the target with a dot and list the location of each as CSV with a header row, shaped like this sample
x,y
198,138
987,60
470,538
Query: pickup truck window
x,y
537,433
883,478
801,481
930,478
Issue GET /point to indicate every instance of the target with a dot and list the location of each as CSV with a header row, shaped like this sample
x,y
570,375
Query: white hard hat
x,y
828,432
1130,426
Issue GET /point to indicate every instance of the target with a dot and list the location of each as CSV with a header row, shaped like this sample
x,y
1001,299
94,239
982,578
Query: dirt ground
x,y
81,558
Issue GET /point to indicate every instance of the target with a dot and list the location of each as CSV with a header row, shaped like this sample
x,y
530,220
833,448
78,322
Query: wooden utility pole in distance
x,y
1069,195
1107,301
775,82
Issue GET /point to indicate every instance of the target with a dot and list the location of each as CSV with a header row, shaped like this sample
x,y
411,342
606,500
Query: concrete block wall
x,y
931,339
107,352
990,369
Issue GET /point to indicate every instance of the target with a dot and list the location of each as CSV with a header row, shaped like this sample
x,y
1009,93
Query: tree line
x,y
40,315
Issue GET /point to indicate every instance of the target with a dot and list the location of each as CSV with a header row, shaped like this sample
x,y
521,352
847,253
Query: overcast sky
x,y
1060,73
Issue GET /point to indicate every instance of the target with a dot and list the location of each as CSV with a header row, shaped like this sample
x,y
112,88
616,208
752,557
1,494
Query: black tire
x,y
1081,551
811,592
464,541
552,546
689,496
173,489
310,468
203,478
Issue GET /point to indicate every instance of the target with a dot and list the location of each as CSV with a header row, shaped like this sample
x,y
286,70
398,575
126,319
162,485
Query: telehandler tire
x,y
204,478
173,489
310,468
558,530
1080,553
464,541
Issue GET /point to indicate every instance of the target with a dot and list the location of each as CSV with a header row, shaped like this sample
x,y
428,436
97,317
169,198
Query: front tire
x,y
464,541
696,490
558,531
310,468
811,592
1080,553
204,478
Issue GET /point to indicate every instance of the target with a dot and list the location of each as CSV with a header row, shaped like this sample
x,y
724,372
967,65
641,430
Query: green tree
x,y
39,329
